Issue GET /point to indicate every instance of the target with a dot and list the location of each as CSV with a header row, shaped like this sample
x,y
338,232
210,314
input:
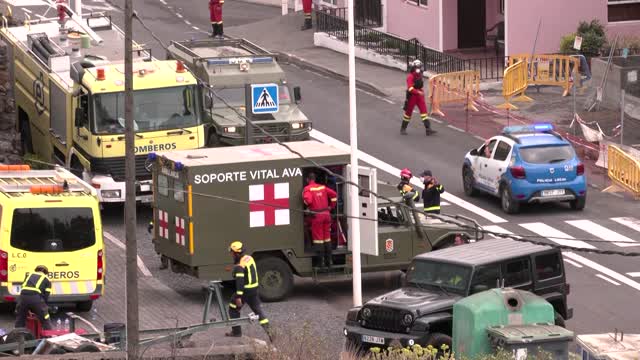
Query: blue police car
x,y
526,164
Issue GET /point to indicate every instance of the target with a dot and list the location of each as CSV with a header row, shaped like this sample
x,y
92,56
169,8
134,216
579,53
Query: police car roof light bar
x,y
539,127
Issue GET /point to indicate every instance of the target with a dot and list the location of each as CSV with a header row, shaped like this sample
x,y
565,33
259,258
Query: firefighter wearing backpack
x,y
415,97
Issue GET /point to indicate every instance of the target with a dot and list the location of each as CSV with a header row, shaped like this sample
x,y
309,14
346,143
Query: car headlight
x,y
366,313
110,194
407,319
230,129
297,125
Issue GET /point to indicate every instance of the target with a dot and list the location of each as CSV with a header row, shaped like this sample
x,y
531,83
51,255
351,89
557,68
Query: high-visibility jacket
x,y
431,196
36,283
319,197
407,191
245,273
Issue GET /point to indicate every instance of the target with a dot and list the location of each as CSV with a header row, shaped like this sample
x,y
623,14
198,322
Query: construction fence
x,y
454,87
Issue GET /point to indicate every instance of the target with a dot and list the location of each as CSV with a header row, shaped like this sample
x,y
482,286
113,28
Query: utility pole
x,y
131,290
354,227
622,95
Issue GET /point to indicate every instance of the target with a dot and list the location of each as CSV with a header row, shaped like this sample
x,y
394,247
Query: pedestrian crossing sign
x,y
264,98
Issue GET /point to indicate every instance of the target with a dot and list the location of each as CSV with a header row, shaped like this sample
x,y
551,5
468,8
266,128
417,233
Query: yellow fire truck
x,y
50,218
69,94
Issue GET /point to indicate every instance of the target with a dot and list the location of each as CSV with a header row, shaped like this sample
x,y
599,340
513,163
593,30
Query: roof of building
x,y
484,252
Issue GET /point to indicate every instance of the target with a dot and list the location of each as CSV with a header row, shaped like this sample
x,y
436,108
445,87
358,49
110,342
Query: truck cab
x,y
224,67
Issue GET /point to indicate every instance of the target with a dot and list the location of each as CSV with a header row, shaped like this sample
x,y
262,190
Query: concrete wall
x,y
406,20
450,24
616,80
558,18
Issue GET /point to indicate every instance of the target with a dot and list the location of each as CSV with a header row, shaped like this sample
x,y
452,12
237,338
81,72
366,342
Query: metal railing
x,y
330,21
367,13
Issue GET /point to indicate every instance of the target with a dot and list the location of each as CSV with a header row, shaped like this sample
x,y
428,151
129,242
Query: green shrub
x,y
593,37
566,44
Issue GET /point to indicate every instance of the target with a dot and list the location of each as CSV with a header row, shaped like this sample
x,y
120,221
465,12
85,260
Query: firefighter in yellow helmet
x,y
34,295
245,274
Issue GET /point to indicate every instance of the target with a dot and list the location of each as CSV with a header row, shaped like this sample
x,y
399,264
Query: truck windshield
x,y
235,96
154,110
453,277
52,229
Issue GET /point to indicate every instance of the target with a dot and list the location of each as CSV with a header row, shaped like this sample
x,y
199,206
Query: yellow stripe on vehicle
x,y
190,200
190,238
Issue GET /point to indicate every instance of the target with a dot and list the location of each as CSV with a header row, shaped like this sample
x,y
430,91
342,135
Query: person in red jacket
x,y
320,200
215,15
415,97
306,8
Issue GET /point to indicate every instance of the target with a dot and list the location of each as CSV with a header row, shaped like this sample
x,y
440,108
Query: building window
x,y
419,2
502,6
624,10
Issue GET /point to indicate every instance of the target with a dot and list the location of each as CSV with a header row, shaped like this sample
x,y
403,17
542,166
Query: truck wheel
x,y
438,340
84,306
276,279
214,140
467,182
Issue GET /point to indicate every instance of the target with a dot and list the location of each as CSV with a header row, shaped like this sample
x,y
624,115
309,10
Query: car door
x,y
497,165
517,274
480,163
395,237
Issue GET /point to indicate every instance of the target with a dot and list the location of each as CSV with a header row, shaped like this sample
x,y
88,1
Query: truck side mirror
x,y
296,94
79,120
208,101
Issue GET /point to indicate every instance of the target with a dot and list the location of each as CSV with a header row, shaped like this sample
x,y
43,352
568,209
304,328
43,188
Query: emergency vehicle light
x,y
100,74
540,127
235,61
180,67
46,189
15,167
152,156
178,166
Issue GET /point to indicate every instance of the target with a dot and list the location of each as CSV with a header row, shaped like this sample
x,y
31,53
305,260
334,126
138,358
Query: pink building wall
x,y
624,28
408,21
558,18
450,24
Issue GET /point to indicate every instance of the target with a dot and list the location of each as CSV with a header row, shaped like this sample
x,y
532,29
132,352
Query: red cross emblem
x,y
163,222
388,245
180,231
269,204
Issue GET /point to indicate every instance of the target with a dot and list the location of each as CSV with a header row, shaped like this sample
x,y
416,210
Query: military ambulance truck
x,y
69,96
227,65
207,198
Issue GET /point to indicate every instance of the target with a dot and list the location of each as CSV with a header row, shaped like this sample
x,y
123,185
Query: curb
x,y
306,64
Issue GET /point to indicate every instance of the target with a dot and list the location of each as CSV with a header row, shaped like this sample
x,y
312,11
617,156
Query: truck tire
x,y
467,182
214,140
275,277
437,340
84,306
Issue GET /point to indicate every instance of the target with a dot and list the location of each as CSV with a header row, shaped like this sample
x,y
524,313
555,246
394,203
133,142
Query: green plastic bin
x,y
528,340
474,314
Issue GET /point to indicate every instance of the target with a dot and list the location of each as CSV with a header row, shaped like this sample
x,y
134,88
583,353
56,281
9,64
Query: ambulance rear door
x,y
367,209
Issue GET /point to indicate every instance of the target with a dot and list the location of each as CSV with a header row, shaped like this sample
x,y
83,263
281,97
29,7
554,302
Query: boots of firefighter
x,y
320,261
236,331
214,30
327,255
307,24
427,126
221,31
403,128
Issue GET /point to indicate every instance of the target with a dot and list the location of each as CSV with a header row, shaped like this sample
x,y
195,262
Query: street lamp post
x,y
354,228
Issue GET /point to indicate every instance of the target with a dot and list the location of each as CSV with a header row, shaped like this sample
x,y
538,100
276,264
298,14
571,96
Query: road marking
x,y
602,232
187,22
415,181
634,274
573,263
607,279
556,236
179,15
629,222
599,268
195,28
143,268
455,128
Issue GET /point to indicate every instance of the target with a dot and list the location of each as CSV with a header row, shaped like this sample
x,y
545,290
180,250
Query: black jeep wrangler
x,y
421,312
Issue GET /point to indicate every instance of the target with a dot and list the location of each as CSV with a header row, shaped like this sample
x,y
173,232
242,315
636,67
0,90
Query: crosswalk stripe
x,y
496,229
555,235
634,274
607,279
629,222
573,263
602,232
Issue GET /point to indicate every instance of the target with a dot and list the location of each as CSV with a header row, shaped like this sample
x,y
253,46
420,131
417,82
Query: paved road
x,y
603,287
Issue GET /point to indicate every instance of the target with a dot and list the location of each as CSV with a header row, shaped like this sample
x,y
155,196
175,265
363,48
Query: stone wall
x,y
9,137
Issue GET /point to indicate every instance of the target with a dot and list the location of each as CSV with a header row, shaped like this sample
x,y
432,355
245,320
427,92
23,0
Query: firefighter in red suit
x,y
320,200
215,15
415,97
306,8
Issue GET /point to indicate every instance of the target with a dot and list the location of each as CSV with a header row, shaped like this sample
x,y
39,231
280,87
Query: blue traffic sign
x,y
264,98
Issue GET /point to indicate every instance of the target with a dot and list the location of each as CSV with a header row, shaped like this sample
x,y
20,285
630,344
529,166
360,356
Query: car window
x,y
547,154
486,276
390,215
548,266
502,151
438,274
517,272
486,150
52,229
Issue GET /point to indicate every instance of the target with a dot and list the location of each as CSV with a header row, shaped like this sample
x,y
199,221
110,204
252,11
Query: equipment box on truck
x,y
207,198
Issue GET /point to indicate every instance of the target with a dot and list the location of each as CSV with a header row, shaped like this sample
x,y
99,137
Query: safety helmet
x,y
236,247
416,63
405,173
43,269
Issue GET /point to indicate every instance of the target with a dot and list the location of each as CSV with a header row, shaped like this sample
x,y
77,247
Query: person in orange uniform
x,y
215,15
306,8
320,200
415,97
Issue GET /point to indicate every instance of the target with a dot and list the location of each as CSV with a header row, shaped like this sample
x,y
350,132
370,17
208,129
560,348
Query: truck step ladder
x,y
337,272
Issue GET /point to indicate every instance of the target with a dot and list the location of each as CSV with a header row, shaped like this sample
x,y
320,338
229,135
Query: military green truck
x,y
224,68
204,199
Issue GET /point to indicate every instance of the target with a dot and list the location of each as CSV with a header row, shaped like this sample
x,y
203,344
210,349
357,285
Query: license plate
x,y
554,192
145,199
373,339
145,187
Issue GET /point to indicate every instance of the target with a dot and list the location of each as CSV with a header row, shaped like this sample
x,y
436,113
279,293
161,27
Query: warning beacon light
x,y
539,127
152,156
100,74
180,67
